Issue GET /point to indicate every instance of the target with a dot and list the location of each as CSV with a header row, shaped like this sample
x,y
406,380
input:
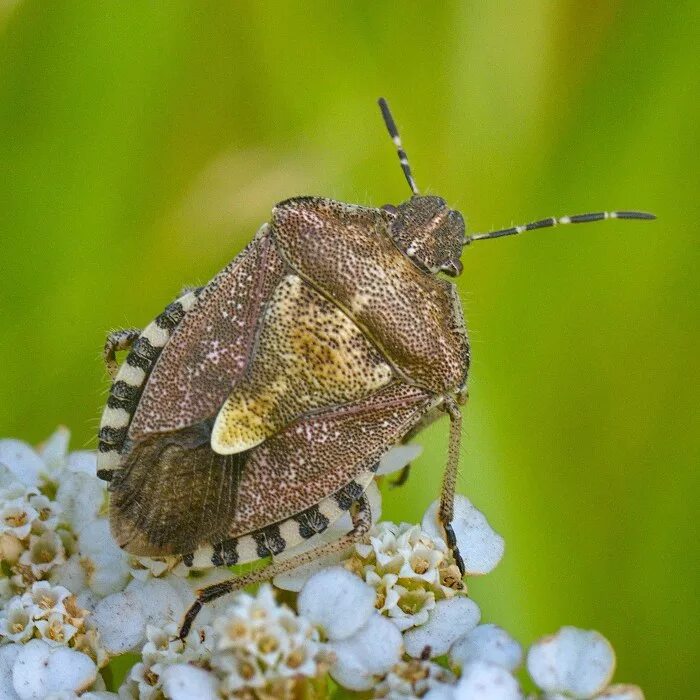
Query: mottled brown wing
x,y
173,493
319,454
176,494
210,348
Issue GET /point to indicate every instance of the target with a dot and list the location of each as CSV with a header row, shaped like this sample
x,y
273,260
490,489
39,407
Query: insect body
x,y
253,412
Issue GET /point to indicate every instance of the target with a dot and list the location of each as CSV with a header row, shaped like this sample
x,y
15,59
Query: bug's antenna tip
x,y
394,133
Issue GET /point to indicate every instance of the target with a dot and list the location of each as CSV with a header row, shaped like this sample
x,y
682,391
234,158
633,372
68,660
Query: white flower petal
x,y
447,621
8,654
487,643
120,622
441,692
184,682
369,653
7,478
621,691
70,574
485,681
108,565
83,461
337,601
481,548
54,450
397,458
81,496
40,669
21,460
163,600
572,661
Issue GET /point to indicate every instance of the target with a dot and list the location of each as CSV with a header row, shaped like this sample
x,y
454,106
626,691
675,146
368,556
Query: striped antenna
x,y
394,133
553,221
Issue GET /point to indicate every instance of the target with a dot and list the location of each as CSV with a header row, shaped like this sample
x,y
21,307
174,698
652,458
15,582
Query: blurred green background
x,y
141,144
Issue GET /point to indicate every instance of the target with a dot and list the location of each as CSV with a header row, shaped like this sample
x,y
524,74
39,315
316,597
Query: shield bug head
x,y
432,235
424,227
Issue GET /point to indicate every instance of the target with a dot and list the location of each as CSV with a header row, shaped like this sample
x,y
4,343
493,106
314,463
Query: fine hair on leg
x,y
449,478
361,520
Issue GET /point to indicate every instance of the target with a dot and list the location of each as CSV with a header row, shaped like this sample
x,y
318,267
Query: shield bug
x,y
252,412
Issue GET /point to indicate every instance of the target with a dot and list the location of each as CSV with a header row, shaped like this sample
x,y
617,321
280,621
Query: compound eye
x,y
390,208
457,219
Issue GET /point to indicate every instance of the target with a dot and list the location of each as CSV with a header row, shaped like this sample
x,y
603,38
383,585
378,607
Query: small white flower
x,y
40,669
487,643
414,679
449,620
573,662
55,630
261,644
483,680
48,513
45,551
44,599
16,623
162,645
481,548
409,571
337,601
367,655
17,517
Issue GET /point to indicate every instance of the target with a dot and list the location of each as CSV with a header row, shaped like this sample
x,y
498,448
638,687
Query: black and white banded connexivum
x,y
252,413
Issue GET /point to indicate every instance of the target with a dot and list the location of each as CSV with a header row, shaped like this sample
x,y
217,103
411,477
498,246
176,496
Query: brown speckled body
x,y
312,353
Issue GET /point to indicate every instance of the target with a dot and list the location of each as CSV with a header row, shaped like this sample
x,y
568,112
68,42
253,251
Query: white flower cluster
x,y
389,616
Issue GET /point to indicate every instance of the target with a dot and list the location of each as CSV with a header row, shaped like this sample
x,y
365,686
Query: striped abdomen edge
x,y
125,392
274,539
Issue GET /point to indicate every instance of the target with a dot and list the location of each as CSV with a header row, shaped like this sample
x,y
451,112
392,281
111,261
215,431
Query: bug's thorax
x,y
354,258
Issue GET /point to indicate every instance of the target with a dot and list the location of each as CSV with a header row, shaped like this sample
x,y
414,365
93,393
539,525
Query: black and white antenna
x,y
556,221
394,133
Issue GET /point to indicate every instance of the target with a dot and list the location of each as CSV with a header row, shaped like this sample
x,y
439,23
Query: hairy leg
x,y
449,478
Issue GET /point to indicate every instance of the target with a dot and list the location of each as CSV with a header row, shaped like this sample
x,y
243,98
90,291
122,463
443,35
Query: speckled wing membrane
x,y
260,502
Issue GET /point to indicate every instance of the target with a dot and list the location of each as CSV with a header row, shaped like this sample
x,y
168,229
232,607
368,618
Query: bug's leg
x,y
361,520
449,479
402,478
122,339
428,419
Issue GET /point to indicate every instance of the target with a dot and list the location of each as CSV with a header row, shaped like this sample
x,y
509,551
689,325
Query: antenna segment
x,y
554,221
394,133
